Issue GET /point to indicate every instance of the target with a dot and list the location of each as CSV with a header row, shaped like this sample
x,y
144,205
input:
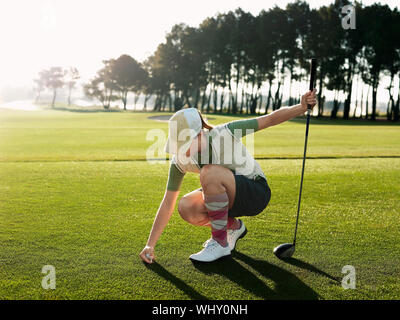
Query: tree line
x,y
55,78
238,63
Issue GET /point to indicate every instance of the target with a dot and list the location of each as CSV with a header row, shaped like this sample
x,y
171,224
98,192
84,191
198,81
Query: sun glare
x,y
38,34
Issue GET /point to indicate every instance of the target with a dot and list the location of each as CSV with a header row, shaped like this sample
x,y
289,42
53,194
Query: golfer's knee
x,y
187,210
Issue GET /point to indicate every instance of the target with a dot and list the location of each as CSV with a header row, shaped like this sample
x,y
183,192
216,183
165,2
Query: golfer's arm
x,y
162,217
279,116
167,206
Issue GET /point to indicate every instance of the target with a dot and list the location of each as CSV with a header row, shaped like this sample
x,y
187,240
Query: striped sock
x,y
233,224
217,207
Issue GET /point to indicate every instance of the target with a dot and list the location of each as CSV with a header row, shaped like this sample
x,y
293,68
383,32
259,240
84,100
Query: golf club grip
x,y
313,70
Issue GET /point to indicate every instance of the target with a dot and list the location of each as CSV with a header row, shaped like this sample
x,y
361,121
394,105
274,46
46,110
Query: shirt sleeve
x,y
243,127
175,178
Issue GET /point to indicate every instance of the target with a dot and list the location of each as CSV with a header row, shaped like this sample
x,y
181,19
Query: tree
x,y
267,51
352,46
392,63
54,79
240,61
323,39
40,84
128,76
72,77
217,34
103,87
376,51
159,76
298,14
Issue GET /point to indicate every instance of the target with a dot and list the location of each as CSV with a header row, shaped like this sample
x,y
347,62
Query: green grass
x,y
64,202
62,135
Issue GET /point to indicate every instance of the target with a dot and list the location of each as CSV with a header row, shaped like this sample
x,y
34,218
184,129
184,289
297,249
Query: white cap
x,y
184,126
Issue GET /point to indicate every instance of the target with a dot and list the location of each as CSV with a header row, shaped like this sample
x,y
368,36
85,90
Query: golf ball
x,y
148,257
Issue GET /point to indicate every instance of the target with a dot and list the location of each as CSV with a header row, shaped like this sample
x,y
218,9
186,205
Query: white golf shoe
x,y
212,251
234,235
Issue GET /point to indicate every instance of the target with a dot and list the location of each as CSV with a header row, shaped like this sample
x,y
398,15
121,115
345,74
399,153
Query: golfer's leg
x,y
216,179
191,206
219,189
192,209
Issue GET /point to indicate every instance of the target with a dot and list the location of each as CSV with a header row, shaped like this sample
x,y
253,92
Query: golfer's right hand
x,y
147,254
309,99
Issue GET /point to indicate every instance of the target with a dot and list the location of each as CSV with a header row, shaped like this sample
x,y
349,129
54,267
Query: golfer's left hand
x,y
147,254
309,99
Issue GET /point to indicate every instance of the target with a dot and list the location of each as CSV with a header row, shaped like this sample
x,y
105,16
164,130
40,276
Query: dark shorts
x,y
252,196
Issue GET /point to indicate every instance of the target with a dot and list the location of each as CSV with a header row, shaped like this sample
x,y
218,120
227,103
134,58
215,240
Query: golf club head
x,y
285,250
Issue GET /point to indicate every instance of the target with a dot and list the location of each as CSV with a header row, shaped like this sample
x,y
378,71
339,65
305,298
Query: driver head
x,y
285,250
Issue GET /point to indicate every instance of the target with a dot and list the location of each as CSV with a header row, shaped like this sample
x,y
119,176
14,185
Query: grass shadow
x,y
179,283
309,267
287,285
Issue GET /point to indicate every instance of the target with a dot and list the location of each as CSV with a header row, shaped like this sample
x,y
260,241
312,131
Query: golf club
x,y
286,250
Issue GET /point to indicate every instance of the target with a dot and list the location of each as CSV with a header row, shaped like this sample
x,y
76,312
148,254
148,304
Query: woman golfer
x,y
232,182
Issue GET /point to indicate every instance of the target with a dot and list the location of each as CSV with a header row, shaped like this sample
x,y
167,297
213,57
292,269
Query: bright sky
x,y
37,34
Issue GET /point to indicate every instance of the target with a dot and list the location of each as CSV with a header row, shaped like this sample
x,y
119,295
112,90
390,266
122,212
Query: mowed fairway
x,y
77,193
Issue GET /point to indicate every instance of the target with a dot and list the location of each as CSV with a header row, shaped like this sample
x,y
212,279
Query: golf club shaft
x,y
302,175
312,79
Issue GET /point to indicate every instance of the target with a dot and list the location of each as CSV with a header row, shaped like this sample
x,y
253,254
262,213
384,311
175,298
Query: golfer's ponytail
x,y
204,124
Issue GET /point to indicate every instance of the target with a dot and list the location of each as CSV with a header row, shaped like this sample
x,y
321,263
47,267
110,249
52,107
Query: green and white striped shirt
x,y
175,176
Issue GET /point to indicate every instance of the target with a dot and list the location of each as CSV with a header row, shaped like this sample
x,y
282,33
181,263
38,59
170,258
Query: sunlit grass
x,y
90,219
62,135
